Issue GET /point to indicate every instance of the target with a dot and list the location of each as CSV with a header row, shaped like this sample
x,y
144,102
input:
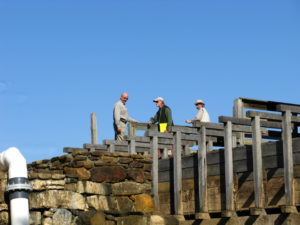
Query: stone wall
x,y
85,188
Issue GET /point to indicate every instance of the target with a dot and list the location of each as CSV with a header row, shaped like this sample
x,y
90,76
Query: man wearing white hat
x,y
202,114
163,116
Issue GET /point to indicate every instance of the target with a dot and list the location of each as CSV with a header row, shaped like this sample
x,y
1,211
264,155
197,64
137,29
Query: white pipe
x,y
18,186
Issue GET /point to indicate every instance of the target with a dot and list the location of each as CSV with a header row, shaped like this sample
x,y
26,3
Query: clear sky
x,y
62,60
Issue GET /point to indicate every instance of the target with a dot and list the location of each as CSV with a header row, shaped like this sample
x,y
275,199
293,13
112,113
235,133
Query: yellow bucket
x,y
163,127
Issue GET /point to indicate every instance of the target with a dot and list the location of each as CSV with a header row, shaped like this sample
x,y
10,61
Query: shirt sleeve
x,y
154,119
117,112
169,118
199,115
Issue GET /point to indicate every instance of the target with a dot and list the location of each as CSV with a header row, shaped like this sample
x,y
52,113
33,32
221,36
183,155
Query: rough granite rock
x,y
62,217
110,174
56,199
129,188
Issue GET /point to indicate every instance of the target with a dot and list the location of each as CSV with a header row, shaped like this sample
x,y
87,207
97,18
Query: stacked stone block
x,y
88,188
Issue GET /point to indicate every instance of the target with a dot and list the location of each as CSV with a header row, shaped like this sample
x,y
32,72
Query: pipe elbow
x,y
13,161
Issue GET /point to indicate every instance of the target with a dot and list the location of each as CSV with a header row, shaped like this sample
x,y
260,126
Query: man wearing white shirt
x,y
121,117
202,114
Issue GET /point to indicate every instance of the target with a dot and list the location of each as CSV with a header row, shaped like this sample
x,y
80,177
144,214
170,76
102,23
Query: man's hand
x,y
149,124
188,121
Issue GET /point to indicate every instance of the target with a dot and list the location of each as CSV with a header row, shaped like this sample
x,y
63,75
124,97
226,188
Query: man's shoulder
x,y
118,103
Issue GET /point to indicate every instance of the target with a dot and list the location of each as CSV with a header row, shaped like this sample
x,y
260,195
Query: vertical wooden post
x,y
131,130
111,148
257,167
288,162
229,185
238,111
178,175
210,145
153,149
202,175
132,147
94,132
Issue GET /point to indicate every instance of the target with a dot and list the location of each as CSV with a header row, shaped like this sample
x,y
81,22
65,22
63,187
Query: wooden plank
x,y
215,126
111,148
119,143
229,185
94,131
291,108
241,166
177,175
202,171
154,148
238,111
288,158
132,149
131,129
257,163
96,147
271,116
184,129
263,104
246,121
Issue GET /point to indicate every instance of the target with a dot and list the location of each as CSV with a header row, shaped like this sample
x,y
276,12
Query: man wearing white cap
x,y
202,114
163,116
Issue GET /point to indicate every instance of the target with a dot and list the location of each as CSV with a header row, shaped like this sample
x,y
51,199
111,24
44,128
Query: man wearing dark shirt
x,y
163,115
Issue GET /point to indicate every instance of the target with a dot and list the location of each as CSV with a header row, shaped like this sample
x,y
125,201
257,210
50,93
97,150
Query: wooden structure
x,y
223,176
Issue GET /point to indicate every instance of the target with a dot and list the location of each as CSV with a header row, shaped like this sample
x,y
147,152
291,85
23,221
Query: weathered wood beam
x,y
271,116
177,174
288,158
202,176
96,147
257,167
132,147
291,108
154,149
94,131
215,126
229,182
247,121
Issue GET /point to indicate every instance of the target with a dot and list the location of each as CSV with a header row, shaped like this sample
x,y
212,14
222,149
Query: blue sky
x,y
62,60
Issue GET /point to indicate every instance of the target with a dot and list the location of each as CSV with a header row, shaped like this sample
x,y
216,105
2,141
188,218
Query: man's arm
x,y
169,118
117,111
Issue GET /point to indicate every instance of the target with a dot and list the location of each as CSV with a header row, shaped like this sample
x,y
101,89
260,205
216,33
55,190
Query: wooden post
x,y
132,149
229,185
210,145
131,130
178,176
238,111
288,163
94,132
111,148
257,168
202,175
153,149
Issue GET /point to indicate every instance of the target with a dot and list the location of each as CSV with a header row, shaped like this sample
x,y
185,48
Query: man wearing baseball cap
x,y
202,114
163,116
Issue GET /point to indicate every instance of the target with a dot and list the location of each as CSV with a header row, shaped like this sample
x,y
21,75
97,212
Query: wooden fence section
x,y
235,177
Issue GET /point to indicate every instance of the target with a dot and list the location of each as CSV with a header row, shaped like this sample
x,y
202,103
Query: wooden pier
x,y
247,164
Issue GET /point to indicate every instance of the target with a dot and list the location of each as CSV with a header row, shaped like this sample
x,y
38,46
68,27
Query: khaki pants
x,y
120,135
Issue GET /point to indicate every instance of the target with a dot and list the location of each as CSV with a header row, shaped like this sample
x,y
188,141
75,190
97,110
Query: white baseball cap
x,y
158,99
